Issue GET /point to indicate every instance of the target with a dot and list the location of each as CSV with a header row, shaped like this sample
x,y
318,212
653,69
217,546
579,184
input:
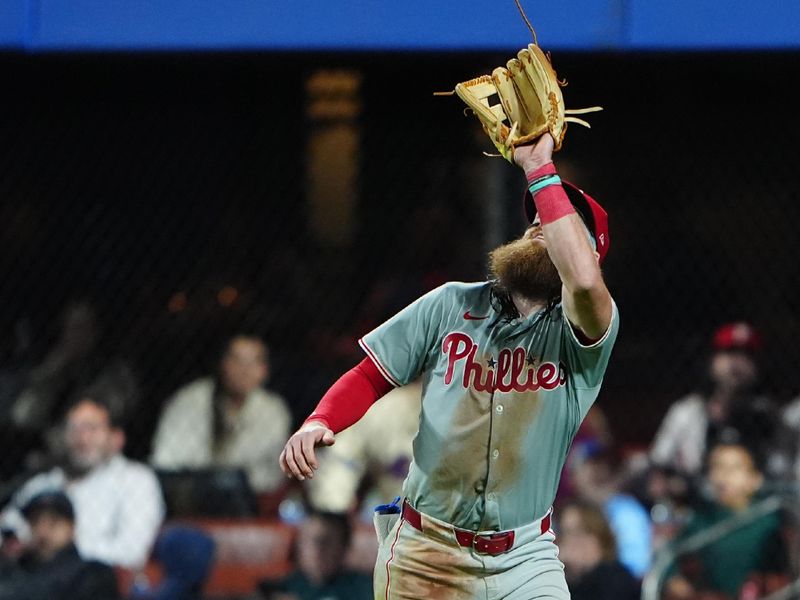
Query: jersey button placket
x,y
491,506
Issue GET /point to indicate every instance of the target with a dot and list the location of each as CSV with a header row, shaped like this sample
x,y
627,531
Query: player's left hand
x,y
537,154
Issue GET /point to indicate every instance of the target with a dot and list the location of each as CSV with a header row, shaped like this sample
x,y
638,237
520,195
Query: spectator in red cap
x,y
728,400
738,335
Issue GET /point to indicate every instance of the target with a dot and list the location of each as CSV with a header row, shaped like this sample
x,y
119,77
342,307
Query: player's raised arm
x,y
586,300
343,404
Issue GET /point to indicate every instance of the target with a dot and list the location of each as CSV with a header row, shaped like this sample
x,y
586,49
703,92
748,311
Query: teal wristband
x,y
539,184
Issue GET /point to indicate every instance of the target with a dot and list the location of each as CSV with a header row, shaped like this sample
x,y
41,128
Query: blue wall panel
x,y
43,25
714,24
14,22
317,24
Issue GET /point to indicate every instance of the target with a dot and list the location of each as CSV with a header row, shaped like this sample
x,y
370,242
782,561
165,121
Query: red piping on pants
x,y
391,557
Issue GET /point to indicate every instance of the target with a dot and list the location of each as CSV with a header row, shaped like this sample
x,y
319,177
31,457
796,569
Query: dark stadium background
x,y
129,179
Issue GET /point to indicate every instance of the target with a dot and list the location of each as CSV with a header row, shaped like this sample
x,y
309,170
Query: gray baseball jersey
x,y
501,402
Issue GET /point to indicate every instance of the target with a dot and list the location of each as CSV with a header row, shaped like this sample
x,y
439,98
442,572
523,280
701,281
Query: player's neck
x,y
526,306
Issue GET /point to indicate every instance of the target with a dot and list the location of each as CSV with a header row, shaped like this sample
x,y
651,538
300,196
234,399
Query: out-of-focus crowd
x,y
705,511
77,510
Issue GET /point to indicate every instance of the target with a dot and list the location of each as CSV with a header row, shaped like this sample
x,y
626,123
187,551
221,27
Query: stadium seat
x,y
247,551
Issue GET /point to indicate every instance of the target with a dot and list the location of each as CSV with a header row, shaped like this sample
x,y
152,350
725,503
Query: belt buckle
x,y
492,543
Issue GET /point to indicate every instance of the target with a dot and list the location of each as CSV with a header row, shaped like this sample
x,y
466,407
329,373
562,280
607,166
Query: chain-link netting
x,y
162,216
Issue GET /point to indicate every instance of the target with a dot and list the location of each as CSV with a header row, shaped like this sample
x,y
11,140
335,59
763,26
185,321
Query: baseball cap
x,y
738,335
53,502
594,215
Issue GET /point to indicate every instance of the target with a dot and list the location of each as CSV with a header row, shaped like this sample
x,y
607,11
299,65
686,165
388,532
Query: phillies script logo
x,y
514,371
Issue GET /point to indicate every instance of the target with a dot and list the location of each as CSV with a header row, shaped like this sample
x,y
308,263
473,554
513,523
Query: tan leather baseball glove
x,y
518,103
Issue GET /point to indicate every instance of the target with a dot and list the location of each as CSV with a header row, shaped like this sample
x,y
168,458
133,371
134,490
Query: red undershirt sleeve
x,y
350,397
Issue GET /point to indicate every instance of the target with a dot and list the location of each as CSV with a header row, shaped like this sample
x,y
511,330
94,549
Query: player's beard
x,y
524,267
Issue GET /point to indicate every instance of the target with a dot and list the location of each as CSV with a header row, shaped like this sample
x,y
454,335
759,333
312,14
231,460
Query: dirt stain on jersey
x,y
511,428
462,461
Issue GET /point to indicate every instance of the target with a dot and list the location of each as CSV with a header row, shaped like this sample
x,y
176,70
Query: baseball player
x,y
510,367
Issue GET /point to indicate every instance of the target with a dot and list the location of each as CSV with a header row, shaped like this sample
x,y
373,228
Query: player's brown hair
x,y
503,304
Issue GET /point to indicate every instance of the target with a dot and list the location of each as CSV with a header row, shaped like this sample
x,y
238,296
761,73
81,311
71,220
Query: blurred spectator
x,y
374,454
15,363
228,419
669,495
593,432
118,502
587,548
51,567
78,359
735,477
791,420
322,543
596,478
728,400
186,557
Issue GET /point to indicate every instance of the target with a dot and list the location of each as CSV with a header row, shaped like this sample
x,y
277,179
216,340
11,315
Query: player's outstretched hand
x,y
298,459
532,156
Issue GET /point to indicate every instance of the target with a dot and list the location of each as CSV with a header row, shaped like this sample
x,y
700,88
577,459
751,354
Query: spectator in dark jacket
x,y
589,552
322,544
753,550
51,568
